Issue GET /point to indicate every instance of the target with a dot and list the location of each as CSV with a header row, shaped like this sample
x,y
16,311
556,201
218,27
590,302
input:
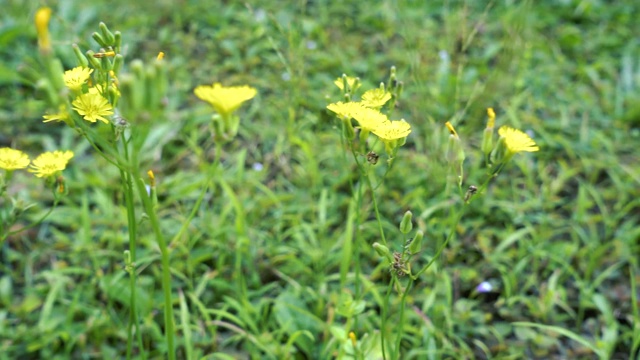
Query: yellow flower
x,y
11,159
92,107
517,141
42,28
351,82
76,77
369,119
392,130
62,115
345,110
49,163
225,100
375,98
452,131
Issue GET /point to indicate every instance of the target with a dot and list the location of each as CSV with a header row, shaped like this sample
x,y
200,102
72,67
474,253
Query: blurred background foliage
x,y
556,234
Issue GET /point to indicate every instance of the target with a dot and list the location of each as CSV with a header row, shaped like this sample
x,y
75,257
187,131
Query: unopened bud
x,y
82,59
107,35
406,225
382,251
416,243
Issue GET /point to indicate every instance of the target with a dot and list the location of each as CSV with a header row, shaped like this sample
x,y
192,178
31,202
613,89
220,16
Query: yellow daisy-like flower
x,y
50,163
392,130
92,106
76,77
61,115
345,110
225,100
351,81
516,141
369,119
375,98
12,159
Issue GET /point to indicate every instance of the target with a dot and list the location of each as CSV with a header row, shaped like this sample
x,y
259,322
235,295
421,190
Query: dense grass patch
x,y
258,269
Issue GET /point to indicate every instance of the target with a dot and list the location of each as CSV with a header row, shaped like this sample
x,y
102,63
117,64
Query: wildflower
x,y
351,83
375,98
516,141
76,77
225,100
61,115
345,110
11,159
160,56
49,163
392,130
42,28
92,107
370,119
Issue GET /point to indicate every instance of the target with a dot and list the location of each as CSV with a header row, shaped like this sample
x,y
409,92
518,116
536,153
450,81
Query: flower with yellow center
x,y
351,82
392,130
92,106
517,141
369,119
61,115
49,163
225,100
375,98
11,159
76,77
42,28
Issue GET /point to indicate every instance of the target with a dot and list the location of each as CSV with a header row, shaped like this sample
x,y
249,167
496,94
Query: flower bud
x,y
107,35
382,251
99,39
416,243
95,63
118,41
406,225
118,61
82,59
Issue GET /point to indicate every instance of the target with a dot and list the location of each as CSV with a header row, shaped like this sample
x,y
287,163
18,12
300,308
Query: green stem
x,y
403,302
166,270
127,183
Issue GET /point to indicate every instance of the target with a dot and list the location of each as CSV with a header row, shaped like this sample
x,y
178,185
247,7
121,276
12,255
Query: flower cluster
x,y
368,116
45,165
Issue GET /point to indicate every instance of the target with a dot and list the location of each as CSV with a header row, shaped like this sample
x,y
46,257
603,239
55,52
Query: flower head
x,y
392,130
516,141
61,115
76,77
375,98
92,106
42,28
49,163
351,82
11,159
225,100
369,119
345,110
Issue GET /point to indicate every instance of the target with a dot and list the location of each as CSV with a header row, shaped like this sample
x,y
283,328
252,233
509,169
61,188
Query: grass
x,y
264,266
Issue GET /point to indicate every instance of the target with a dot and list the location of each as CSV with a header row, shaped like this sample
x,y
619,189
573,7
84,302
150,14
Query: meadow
x,y
274,216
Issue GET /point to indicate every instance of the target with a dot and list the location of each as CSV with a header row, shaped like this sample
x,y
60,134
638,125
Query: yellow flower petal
x,y
517,141
76,77
92,107
393,130
225,100
50,163
375,98
11,159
